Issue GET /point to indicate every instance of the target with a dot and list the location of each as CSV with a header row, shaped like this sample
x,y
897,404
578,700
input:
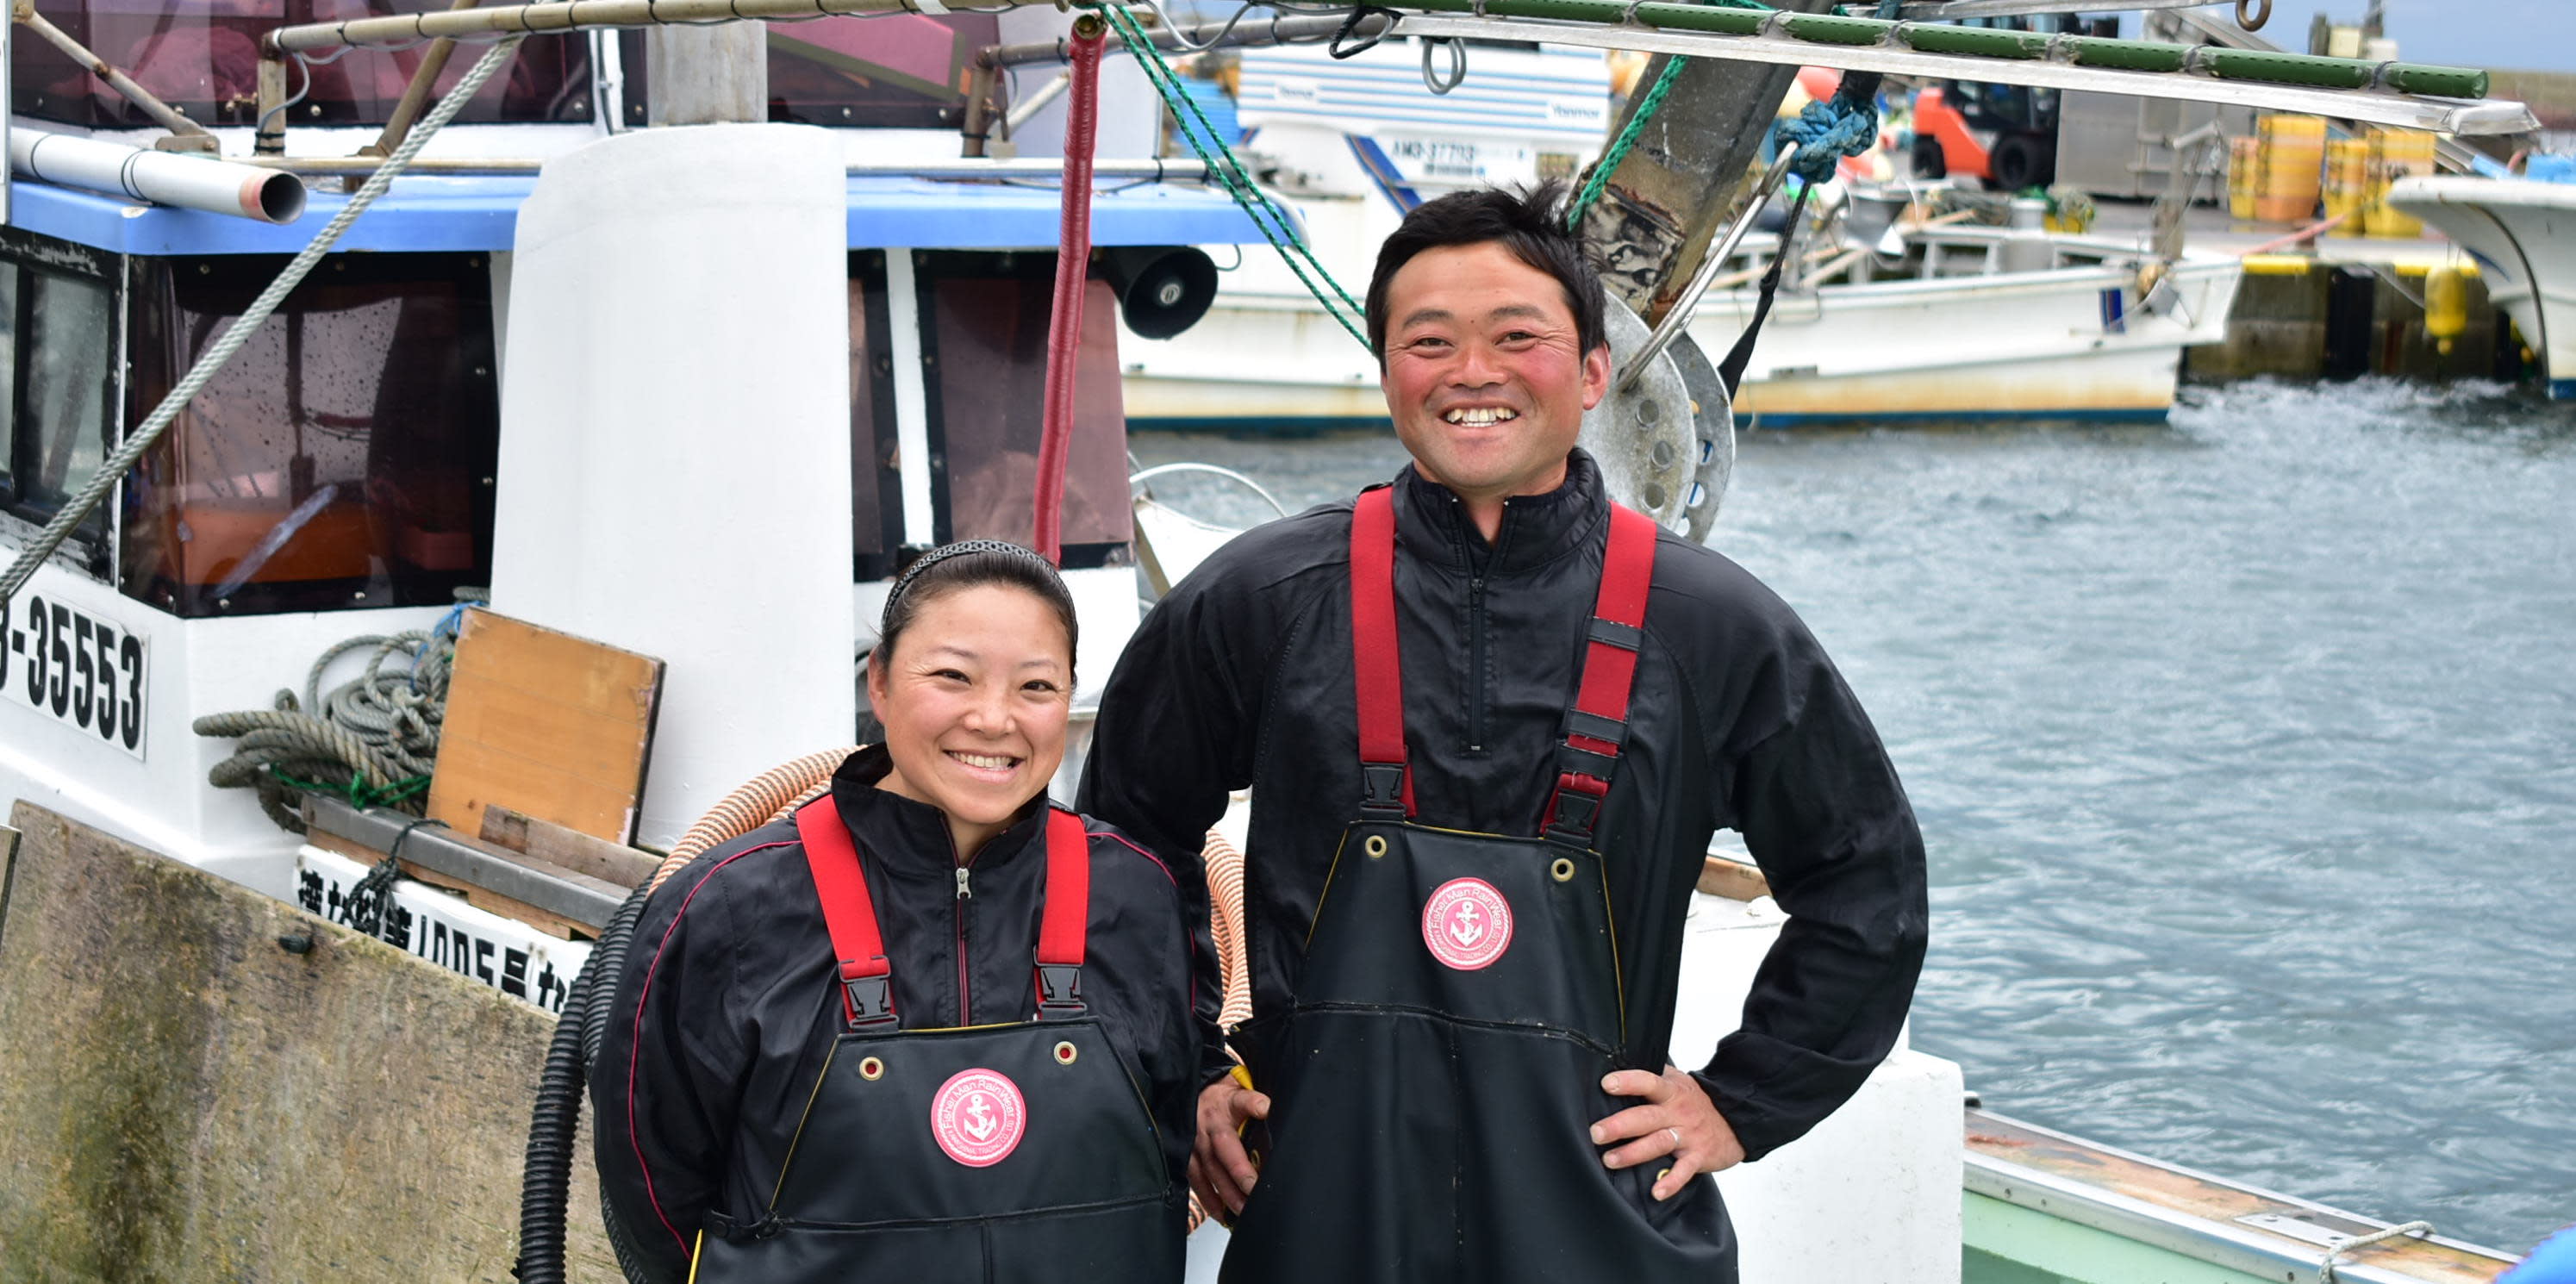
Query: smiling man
x,y
1490,721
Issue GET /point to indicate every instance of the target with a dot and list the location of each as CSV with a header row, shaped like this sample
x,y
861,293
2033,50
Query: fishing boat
x,y
1884,318
595,382
2521,231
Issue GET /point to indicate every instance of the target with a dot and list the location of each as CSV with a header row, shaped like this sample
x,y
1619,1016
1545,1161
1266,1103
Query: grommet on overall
x,y
1434,1082
999,1153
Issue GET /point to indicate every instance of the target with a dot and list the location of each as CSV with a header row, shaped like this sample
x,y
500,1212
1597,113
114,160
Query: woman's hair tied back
x,y
967,564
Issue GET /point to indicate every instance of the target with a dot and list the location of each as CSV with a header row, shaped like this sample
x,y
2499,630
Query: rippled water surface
x,y
2245,752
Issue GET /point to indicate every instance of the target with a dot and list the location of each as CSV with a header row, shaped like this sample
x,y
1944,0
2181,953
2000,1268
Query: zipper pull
x,y
964,893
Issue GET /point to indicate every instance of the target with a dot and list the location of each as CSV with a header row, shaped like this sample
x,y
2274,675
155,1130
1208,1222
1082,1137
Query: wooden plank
x,y
185,1098
546,724
486,899
617,863
545,921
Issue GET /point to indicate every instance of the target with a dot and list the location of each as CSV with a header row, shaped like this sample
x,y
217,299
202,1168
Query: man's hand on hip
x,y
1221,1171
1677,1124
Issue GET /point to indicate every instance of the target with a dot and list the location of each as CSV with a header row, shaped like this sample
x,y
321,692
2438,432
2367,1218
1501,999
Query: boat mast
x,y
706,75
1670,194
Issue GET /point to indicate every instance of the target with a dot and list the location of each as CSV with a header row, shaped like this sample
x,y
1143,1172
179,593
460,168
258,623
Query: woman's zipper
x,y
965,893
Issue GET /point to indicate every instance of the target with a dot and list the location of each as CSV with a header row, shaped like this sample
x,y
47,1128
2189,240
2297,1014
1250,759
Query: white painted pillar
x,y
675,441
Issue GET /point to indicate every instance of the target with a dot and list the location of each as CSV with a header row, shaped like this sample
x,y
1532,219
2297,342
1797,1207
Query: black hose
x,y
546,1184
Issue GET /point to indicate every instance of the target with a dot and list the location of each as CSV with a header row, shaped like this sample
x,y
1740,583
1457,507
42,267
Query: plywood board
x,y
184,1098
546,724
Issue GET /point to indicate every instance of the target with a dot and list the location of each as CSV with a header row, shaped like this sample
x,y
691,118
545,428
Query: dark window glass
x,y
343,459
60,338
987,343
900,70
203,58
876,482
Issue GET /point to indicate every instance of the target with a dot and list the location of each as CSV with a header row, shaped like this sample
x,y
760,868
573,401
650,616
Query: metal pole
x,y
2424,97
1678,317
433,60
1941,9
1278,30
1027,109
168,117
559,16
1160,169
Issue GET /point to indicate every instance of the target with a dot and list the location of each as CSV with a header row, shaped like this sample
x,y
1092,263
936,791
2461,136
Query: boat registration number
x,y
74,667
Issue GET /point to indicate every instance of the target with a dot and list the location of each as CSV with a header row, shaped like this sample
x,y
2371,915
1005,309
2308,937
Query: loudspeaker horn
x,y
1162,289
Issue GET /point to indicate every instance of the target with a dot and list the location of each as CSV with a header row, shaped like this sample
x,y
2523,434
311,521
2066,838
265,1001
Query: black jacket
x,y
728,999
1242,676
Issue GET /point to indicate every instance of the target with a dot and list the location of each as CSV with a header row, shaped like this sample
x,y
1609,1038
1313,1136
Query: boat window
x,y
343,459
985,344
60,332
203,58
895,71
876,477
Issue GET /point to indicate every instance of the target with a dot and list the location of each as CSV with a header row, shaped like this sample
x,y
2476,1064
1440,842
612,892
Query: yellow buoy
x,y
2446,306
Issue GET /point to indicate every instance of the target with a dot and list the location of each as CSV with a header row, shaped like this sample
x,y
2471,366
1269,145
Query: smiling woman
x,y
928,1008
975,706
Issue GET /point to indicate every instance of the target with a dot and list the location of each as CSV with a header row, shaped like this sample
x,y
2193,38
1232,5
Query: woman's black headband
x,y
962,548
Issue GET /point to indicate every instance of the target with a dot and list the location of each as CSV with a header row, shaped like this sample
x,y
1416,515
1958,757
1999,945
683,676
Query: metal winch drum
x,y
1666,445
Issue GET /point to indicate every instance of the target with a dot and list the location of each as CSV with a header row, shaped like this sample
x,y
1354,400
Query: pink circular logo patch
x,y
978,1117
1467,924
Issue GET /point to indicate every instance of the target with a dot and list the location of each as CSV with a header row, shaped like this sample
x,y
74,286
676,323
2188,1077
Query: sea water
x,y
2244,747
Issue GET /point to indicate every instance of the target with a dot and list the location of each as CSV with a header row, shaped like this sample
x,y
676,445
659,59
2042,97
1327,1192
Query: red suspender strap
x,y
867,990
1067,918
1385,783
1598,723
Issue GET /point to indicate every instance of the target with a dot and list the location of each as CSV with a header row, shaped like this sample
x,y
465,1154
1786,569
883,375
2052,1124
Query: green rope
x,y
1619,147
360,794
1273,223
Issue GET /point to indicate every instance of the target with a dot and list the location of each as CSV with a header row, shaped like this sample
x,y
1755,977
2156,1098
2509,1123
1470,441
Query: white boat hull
x,y
2042,344
2067,343
2524,237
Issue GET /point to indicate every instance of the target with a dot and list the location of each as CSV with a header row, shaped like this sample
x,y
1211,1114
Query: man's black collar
x,y
1535,530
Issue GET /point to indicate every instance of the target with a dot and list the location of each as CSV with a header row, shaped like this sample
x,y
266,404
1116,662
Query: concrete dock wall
x,y
2311,318
198,1082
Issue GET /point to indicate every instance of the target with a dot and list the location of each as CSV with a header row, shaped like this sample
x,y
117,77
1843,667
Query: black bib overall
x,y
1434,1083
1018,1152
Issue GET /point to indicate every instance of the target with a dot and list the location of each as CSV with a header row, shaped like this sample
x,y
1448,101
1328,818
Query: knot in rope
x,y
1844,125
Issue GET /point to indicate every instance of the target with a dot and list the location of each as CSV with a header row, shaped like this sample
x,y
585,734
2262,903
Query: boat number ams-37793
x,y
75,667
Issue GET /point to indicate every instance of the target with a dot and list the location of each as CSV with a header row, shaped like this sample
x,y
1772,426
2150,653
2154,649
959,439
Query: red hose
x,y
1072,272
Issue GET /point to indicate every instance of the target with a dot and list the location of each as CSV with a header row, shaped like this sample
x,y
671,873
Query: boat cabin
x,y
344,474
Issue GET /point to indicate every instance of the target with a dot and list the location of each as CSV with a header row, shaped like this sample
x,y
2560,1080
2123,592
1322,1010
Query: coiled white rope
x,y
114,467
